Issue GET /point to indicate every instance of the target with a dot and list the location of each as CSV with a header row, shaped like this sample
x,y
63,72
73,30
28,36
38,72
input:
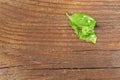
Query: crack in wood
x,y
73,68
6,67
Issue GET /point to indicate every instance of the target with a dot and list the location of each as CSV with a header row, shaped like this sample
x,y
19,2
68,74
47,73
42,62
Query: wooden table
x,y
37,43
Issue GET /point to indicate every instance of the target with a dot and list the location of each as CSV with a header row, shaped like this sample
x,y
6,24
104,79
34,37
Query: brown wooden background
x,y
37,43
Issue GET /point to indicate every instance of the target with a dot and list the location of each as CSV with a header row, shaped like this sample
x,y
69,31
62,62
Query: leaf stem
x,y
68,15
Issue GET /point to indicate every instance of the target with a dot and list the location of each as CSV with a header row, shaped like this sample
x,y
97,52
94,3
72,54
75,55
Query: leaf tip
x,y
94,41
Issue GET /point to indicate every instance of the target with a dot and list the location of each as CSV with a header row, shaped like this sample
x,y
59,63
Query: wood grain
x,y
37,43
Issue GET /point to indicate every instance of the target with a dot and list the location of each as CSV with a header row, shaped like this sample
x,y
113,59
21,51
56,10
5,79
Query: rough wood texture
x,y
36,42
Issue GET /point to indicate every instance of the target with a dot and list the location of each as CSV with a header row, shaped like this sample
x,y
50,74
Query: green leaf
x,y
83,26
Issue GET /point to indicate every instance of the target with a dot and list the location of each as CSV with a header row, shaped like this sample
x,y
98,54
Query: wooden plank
x,y
37,43
85,74
48,60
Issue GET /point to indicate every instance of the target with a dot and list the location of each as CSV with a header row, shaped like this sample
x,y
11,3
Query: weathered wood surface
x,y
36,42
